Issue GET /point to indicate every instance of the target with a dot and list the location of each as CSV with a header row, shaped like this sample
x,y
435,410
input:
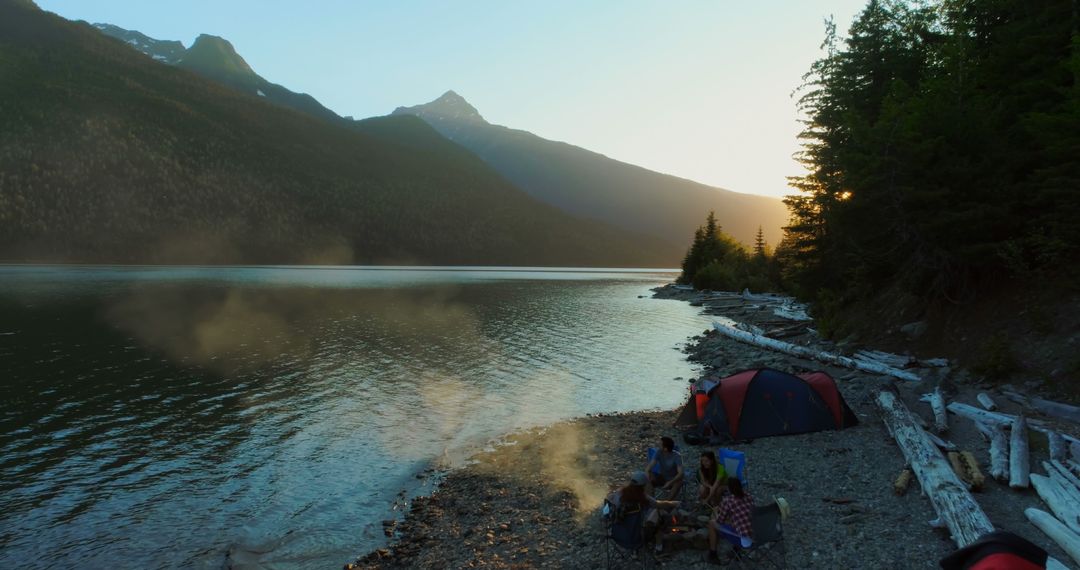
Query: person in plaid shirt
x,y
733,519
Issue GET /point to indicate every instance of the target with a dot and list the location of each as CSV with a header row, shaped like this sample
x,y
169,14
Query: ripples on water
x,y
167,417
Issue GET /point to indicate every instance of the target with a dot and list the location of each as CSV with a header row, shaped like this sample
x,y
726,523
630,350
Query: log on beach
x,y
804,352
1057,531
1061,504
999,450
955,506
986,401
1002,419
1019,458
937,404
1054,409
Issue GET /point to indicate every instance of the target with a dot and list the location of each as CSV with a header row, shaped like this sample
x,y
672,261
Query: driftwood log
x,y
903,481
971,467
1019,458
1058,532
955,507
999,418
1048,407
937,404
999,450
1061,504
1059,450
804,352
1066,473
1064,482
986,401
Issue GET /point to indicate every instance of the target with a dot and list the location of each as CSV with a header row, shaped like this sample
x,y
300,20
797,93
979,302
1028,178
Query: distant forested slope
x,y
109,156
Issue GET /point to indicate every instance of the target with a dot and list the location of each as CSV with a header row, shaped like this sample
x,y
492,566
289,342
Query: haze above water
x,y
163,417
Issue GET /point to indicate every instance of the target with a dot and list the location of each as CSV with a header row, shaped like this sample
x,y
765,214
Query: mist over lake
x,y
173,416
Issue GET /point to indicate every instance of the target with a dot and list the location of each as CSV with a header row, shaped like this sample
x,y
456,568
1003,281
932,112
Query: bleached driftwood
x,y
1019,462
986,401
1059,450
999,450
937,404
1060,502
949,496
1002,419
943,444
1064,467
1067,481
893,360
1048,407
804,352
1058,532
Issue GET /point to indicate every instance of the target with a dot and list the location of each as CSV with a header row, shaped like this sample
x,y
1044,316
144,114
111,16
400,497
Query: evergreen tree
x,y
759,244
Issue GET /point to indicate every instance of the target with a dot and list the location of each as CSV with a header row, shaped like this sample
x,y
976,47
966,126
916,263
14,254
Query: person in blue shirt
x,y
670,476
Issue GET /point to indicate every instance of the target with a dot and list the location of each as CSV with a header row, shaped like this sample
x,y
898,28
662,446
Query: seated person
x,y
633,495
733,521
670,476
712,479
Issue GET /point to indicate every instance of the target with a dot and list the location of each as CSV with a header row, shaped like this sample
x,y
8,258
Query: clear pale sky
x,y
698,89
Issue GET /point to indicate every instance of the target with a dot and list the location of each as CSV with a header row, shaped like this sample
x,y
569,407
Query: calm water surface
x,y
269,417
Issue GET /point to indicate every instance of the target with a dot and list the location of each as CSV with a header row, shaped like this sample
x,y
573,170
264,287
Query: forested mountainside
x,y
592,185
943,149
109,156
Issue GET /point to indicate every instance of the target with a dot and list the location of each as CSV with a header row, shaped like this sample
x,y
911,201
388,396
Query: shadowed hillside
x,y
592,185
109,156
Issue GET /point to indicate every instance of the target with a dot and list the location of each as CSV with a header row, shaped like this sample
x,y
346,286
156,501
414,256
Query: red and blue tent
x,y
763,402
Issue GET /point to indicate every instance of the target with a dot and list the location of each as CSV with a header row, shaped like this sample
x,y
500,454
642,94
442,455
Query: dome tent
x,y
765,402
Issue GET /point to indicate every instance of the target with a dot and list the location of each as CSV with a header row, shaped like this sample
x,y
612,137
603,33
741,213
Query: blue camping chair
x,y
624,535
734,463
656,470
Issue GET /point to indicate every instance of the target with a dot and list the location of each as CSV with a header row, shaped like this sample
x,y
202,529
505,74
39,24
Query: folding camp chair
x,y
734,463
656,471
768,547
624,535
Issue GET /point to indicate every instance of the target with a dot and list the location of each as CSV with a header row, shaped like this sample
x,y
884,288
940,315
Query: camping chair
x,y
734,462
656,471
768,547
624,535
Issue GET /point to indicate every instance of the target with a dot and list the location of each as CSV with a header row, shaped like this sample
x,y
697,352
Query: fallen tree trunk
x,y
950,498
804,352
1065,480
999,450
1058,532
1048,407
937,404
1061,504
1019,459
1002,419
1059,450
986,401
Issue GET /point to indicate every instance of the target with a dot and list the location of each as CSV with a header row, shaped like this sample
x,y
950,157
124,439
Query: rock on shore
x,y
533,502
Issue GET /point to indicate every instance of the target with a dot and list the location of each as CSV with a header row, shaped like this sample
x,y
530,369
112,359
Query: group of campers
x,y
657,489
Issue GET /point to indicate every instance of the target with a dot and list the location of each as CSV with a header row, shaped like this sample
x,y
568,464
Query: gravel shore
x,y
533,501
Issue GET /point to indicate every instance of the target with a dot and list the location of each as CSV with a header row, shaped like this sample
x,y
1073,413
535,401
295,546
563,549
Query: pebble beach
x,y
533,499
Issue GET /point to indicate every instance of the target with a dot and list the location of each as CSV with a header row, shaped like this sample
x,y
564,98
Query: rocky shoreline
x,y
534,500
